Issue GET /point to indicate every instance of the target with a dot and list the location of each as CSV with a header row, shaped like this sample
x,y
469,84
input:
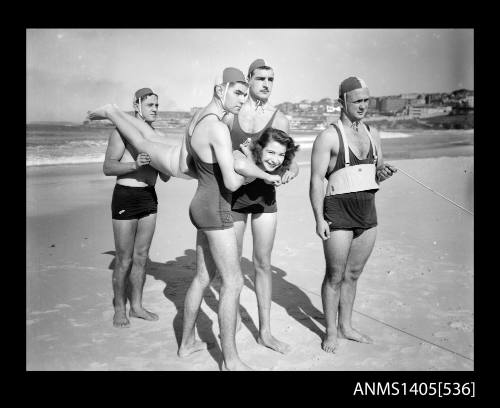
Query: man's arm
x,y
220,141
245,166
322,152
114,152
186,160
281,122
384,170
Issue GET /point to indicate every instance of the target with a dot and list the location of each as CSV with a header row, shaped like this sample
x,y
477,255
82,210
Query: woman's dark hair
x,y
278,136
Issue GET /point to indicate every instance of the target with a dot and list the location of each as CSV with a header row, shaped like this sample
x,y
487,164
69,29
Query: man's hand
x,y
323,229
273,179
287,176
385,172
245,147
142,159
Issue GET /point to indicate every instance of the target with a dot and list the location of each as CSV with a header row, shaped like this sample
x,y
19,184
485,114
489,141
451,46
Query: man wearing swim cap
x,y
349,155
211,160
209,146
134,208
257,198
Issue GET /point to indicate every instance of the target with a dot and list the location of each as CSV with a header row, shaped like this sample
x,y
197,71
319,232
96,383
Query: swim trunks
x,y
210,208
130,203
255,197
354,210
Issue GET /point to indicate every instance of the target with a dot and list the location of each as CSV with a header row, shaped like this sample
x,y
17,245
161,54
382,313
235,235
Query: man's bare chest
x,y
252,122
359,143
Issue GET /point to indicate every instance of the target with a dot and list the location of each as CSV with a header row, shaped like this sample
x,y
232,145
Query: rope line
x,y
435,192
402,331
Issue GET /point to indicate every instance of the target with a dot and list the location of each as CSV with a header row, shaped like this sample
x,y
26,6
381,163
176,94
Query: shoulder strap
x,y
375,155
270,123
203,117
347,159
188,144
236,123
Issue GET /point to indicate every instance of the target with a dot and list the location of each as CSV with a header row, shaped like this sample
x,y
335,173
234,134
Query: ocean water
x,y
50,144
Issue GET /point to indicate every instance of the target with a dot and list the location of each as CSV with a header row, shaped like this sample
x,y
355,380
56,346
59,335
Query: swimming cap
x,y
143,92
230,74
258,63
350,84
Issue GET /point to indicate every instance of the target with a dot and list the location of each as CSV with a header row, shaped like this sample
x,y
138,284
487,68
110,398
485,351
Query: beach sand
x,y
414,298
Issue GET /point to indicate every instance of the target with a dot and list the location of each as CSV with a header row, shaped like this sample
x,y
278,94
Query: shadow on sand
x,y
290,297
178,274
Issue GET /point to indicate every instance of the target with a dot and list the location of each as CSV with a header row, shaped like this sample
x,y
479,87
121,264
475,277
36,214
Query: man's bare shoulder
x,y
215,128
228,119
374,132
281,118
116,138
327,137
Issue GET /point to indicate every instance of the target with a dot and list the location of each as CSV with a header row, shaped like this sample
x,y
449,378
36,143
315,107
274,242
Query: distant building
x,y
428,112
373,104
392,104
410,96
285,107
433,99
304,105
332,109
469,100
418,101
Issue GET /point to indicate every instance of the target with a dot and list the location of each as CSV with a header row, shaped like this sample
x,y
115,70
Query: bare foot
x,y
120,319
143,314
100,113
329,343
237,365
186,350
274,344
355,335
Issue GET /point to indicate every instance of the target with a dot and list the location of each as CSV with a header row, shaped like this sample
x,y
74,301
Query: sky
x,y
70,71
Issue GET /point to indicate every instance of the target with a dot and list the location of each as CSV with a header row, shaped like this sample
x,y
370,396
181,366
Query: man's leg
x,y
361,248
205,272
336,250
224,250
124,233
240,224
143,238
263,233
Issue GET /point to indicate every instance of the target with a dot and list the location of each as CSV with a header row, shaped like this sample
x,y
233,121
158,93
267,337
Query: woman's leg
x,y
164,157
263,232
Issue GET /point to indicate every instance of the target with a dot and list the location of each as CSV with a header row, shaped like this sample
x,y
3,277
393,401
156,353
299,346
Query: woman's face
x,y
273,155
